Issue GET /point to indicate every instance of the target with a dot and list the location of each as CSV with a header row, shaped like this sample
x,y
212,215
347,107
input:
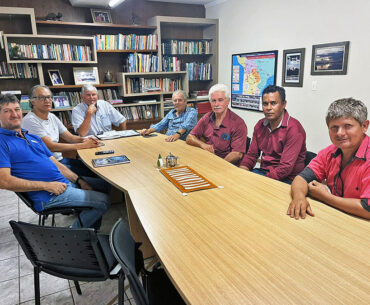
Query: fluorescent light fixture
x,y
114,3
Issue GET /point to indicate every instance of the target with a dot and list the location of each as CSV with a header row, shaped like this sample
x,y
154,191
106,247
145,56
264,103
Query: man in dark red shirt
x,y
221,131
345,165
280,138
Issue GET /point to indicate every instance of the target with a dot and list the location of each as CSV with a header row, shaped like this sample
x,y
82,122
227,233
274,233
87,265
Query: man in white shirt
x,y
41,122
93,116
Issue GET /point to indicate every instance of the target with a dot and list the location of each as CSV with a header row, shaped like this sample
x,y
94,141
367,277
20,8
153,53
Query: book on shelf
x,y
115,102
171,64
188,47
15,92
141,112
126,42
25,102
137,62
143,85
199,71
18,70
52,51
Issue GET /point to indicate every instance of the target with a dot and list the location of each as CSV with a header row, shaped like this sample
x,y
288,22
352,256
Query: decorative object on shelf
x,y
293,67
60,101
54,17
330,58
86,75
134,19
108,77
25,102
251,74
55,77
101,16
15,52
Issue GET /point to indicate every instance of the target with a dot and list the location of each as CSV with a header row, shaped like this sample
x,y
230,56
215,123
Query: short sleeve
x,y
4,154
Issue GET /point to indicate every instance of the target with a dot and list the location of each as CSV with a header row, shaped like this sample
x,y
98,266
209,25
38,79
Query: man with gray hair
x,y
345,165
179,121
93,116
221,131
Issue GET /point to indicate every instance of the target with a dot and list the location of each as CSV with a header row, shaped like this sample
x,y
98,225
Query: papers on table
x,y
114,134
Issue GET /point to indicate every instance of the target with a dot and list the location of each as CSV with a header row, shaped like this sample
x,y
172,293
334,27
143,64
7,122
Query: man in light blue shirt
x,y
93,116
179,121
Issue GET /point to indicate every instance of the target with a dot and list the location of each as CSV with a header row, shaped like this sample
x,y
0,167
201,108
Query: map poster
x,y
251,74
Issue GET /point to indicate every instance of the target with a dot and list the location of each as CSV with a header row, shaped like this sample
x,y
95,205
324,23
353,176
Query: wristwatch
x,y
179,133
78,179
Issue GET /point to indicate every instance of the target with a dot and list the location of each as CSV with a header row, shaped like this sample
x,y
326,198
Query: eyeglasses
x,y
44,98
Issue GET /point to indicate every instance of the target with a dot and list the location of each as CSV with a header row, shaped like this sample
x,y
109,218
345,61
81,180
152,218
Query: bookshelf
x,y
191,41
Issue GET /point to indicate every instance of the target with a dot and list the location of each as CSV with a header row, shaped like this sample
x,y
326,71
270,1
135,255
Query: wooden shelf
x,y
136,104
80,86
127,51
173,55
95,25
200,80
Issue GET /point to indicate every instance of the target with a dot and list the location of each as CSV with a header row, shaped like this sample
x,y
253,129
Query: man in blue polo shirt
x,y
26,165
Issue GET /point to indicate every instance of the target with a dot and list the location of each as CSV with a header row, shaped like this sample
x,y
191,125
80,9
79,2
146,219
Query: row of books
x,y
199,71
74,97
65,52
140,112
65,117
142,85
186,47
126,42
138,62
18,70
171,64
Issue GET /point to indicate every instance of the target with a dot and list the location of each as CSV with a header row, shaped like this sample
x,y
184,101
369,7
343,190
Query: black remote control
x,y
104,152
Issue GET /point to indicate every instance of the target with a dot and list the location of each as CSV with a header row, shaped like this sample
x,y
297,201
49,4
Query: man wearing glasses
x,y
27,165
179,121
345,165
93,116
41,122
221,131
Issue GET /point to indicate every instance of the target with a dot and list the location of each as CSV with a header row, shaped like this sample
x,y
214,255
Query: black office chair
x,y
248,143
73,254
309,156
124,249
157,288
76,210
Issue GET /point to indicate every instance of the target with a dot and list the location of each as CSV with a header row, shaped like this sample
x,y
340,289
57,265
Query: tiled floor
x,y
16,272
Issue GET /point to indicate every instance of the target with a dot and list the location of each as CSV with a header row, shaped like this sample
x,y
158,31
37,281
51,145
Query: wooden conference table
x,y
235,245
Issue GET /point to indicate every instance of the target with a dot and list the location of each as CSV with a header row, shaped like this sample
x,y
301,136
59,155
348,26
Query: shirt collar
x,y
283,123
225,121
12,132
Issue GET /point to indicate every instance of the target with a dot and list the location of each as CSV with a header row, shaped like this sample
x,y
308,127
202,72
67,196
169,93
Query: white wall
x,y
249,25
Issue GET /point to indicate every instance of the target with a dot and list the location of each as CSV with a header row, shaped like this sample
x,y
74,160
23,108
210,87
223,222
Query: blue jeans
x,y
263,172
73,196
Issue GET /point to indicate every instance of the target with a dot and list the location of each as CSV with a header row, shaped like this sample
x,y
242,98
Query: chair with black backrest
x,y
125,248
248,143
309,156
73,254
76,210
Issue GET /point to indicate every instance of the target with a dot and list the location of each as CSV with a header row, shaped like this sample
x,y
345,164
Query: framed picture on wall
x,y
330,58
86,75
251,73
293,67
60,101
101,16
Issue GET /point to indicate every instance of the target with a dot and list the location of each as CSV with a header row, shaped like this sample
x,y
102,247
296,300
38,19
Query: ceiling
x,y
104,3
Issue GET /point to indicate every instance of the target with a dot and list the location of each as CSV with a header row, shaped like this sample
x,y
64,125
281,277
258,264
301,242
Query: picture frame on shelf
x,y
60,101
86,75
55,77
293,67
330,58
101,16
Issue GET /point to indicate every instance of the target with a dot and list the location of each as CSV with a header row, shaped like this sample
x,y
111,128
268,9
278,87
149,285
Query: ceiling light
x,y
114,3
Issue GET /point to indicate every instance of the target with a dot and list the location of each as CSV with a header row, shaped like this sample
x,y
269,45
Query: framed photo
x,y
293,67
101,16
330,58
60,101
86,75
251,74
55,77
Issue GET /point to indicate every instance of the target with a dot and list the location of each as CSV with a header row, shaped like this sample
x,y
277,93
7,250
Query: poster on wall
x,y
251,74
